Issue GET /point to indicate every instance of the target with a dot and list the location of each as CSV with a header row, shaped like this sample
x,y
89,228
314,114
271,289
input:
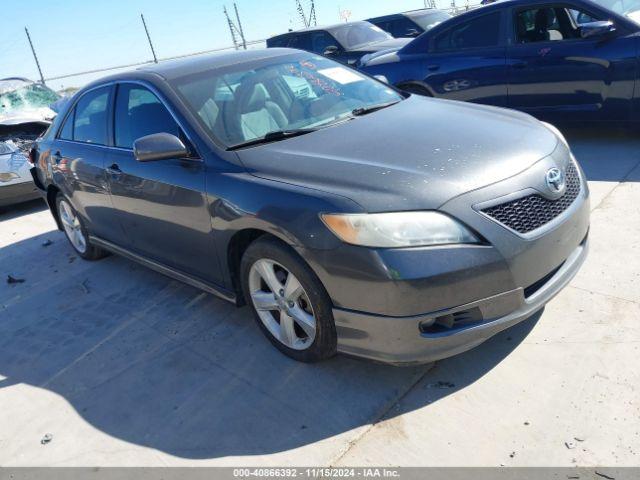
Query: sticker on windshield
x,y
341,75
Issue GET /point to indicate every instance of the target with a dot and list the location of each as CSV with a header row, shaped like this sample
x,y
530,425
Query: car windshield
x,y
26,96
621,7
429,20
293,92
355,35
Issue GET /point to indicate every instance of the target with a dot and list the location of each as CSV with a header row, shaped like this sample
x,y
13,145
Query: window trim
x,y
502,40
111,116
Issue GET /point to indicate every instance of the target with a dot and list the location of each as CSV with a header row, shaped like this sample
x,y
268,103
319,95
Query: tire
x,y
314,301
66,212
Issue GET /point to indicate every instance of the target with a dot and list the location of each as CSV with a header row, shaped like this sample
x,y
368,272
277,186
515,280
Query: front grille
x,y
534,211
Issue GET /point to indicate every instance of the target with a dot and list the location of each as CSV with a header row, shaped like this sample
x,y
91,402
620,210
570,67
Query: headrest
x,y
544,18
256,100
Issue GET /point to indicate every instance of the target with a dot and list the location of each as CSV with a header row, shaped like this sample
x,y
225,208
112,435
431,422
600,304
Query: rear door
x,y
556,74
468,61
78,161
161,205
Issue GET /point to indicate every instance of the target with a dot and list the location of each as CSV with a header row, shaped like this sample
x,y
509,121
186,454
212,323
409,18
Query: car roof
x,y
408,13
171,69
325,28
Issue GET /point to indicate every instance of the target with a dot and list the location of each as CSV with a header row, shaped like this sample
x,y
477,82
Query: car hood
x,y
391,44
415,155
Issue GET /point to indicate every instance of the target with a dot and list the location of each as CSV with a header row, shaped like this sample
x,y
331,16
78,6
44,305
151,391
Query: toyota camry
x,y
314,194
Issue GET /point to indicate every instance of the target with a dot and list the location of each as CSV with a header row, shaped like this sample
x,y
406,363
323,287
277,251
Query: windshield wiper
x,y
274,136
358,112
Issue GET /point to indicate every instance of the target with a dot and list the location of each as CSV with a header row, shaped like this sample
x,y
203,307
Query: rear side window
x,y
301,42
278,42
476,33
90,117
67,130
138,112
401,27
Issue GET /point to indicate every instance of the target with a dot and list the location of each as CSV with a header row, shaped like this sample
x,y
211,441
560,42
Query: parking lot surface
x,y
111,364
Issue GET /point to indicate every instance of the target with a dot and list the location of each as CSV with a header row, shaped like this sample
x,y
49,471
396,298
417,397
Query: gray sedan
x,y
350,217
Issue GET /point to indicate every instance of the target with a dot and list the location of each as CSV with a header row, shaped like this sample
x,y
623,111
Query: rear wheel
x,y
290,304
75,231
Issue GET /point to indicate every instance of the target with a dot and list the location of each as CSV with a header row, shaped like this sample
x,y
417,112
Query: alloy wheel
x,y
282,304
72,227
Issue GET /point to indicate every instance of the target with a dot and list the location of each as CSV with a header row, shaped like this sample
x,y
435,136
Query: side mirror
x,y
330,50
596,29
159,146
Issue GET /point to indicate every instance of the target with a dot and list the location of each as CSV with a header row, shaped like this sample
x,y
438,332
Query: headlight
x,y
8,176
398,229
557,132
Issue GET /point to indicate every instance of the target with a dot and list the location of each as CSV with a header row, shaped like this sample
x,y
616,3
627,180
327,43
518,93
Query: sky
x,y
79,35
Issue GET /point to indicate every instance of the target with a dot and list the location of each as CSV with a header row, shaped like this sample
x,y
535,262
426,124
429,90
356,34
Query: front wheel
x,y
290,304
75,231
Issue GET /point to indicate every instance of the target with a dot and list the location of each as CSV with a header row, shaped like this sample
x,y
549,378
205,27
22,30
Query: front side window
x,y
548,24
90,118
293,92
138,113
358,34
477,33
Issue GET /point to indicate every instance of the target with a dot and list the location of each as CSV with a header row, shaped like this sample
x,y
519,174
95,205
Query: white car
x,y
16,183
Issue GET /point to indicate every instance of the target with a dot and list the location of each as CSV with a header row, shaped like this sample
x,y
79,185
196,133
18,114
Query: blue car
x,y
562,61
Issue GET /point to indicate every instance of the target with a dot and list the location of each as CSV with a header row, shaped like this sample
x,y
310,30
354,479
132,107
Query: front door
x,y
556,74
468,61
161,205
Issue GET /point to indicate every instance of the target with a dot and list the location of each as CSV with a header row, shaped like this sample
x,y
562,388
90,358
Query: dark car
x,y
344,42
563,61
410,24
330,208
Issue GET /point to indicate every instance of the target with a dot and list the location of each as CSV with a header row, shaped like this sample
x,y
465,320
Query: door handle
x,y
57,157
433,68
114,169
520,65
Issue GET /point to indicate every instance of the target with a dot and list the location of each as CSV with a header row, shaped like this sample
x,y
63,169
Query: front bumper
x,y
414,340
17,193
416,305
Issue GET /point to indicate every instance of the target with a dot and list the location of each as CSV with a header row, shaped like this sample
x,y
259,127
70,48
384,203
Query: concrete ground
x,y
122,366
